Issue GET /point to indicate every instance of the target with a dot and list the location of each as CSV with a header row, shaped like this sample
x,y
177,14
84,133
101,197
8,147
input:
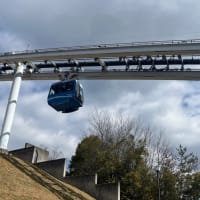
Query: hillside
x,y
21,181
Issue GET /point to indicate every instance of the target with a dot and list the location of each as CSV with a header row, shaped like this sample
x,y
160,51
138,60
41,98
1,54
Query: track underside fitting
x,y
122,68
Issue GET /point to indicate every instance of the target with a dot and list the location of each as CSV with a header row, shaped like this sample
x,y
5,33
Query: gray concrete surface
x,y
31,154
27,145
88,184
109,191
56,168
40,155
25,154
3,151
85,183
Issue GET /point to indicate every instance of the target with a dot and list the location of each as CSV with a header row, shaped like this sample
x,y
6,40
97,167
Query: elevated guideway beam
x,y
144,68
168,60
119,75
188,47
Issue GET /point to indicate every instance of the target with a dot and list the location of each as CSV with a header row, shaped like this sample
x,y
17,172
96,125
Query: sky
x,y
171,107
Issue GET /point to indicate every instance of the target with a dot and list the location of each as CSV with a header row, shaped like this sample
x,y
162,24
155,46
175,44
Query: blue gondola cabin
x,y
66,96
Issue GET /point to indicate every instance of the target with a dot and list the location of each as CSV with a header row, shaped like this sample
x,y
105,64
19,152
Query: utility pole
x,y
158,180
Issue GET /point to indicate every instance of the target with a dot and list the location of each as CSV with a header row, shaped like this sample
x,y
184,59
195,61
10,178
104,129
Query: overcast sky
x,y
170,106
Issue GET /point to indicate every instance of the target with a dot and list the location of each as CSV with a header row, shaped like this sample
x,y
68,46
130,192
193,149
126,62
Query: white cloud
x,y
162,107
10,42
27,131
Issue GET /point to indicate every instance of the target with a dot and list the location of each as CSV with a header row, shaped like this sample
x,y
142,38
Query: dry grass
x,y
15,185
71,191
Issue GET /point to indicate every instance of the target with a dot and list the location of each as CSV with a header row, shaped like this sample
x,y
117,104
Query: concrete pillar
x,y
11,106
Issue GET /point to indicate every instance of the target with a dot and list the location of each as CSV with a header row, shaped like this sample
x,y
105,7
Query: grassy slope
x,y
15,185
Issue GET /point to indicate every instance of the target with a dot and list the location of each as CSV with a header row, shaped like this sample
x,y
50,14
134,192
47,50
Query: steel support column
x,y
11,106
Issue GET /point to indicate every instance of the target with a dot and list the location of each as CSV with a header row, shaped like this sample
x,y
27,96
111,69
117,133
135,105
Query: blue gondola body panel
x,y
66,96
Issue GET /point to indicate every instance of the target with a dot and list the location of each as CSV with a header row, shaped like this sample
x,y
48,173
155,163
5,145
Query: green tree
x,y
116,152
194,190
167,185
186,165
85,161
161,162
121,149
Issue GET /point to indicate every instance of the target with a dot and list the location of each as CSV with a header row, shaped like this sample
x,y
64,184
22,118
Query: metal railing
x,y
114,45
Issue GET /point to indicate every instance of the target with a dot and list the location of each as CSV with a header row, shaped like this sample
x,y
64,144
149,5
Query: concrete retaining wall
x,y
85,183
56,168
40,155
31,154
3,151
89,185
109,191
27,145
25,154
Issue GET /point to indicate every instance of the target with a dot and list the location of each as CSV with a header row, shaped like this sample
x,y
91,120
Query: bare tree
x,y
160,154
54,153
